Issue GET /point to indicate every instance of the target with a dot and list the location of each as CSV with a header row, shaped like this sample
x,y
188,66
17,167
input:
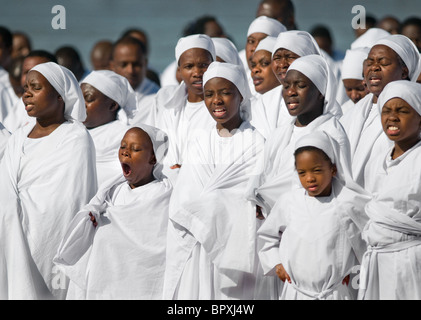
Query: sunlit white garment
x,y
17,117
4,136
212,230
8,99
394,230
317,241
44,182
146,113
124,256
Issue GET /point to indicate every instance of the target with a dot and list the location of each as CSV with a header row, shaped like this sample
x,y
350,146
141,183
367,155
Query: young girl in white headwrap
x,y
110,103
269,110
312,237
211,234
392,58
46,175
391,267
309,92
115,246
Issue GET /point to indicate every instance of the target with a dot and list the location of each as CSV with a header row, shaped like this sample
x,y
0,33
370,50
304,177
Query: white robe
x,y
269,111
17,117
41,189
124,256
4,136
107,139
211,250
317,240
277,174
391,267
7,100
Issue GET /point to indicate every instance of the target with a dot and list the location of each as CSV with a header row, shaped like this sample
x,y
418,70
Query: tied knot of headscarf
x,y
65,83
200,41
115,87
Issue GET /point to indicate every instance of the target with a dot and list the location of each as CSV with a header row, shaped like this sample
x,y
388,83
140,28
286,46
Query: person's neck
x,y
194,98
226,129
44,128
403,146
304,119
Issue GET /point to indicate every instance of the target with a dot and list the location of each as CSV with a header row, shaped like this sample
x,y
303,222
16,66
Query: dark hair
x,y
321,31
128,32
313,149
42,54
128,40
412,21
198,26
6,36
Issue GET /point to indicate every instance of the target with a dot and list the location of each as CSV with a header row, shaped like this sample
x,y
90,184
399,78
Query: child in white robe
x,y
46,175
211,235
115,246
391,267
110,103
312,237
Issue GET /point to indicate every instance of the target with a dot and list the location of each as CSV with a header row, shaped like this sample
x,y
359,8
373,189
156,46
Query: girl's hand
x,y
93,219
282,274
176,166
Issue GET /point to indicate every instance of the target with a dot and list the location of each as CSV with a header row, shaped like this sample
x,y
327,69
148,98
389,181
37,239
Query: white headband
x,y
404,89
266,25
267,44
352,65
300,42
226,50
201,41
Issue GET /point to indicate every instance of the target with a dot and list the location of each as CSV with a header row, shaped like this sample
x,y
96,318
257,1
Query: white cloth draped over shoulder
x,y
362,123
107,137
276,175
394,230
43,185
124,256
317,239
269,110
208,211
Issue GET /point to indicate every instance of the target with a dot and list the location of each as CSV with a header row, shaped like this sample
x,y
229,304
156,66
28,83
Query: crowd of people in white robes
x,y
269,173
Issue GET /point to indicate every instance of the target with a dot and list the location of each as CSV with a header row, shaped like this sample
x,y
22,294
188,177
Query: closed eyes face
x,y
261,71
355,89
315,172
137,157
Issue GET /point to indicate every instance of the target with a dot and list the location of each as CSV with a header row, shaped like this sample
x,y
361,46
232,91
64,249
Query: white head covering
x,y
406,90
65,83
318,71
269,26
237,76
115,87
160,147
406,49
266,44
369,38
226,50
300,42
352,65
201,41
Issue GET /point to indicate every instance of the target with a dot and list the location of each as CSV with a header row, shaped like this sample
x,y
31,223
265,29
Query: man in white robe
x,y
43,183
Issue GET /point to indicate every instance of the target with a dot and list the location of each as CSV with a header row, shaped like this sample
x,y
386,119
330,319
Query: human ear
x,y
114,106
405,73
153,160
334,170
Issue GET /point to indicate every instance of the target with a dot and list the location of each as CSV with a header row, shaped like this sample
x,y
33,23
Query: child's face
x,y
281,61
261,71
192,65
223,100
41,100
401,123
355,89
300,94
381,67
315,173
99,108
252,43
137,157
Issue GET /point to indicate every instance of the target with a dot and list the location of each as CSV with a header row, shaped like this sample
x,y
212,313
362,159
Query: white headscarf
x,y
226,50
318,71
269,26
65,83
352,65
237,76
201,41
405,49
300,42
266,44
406,90
369,38
115,87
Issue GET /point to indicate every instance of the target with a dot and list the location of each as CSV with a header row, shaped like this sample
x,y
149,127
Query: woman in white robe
x,y
115,246
211,235
277,171
391,267
362,123
109,106
269,110
312,237
46,175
